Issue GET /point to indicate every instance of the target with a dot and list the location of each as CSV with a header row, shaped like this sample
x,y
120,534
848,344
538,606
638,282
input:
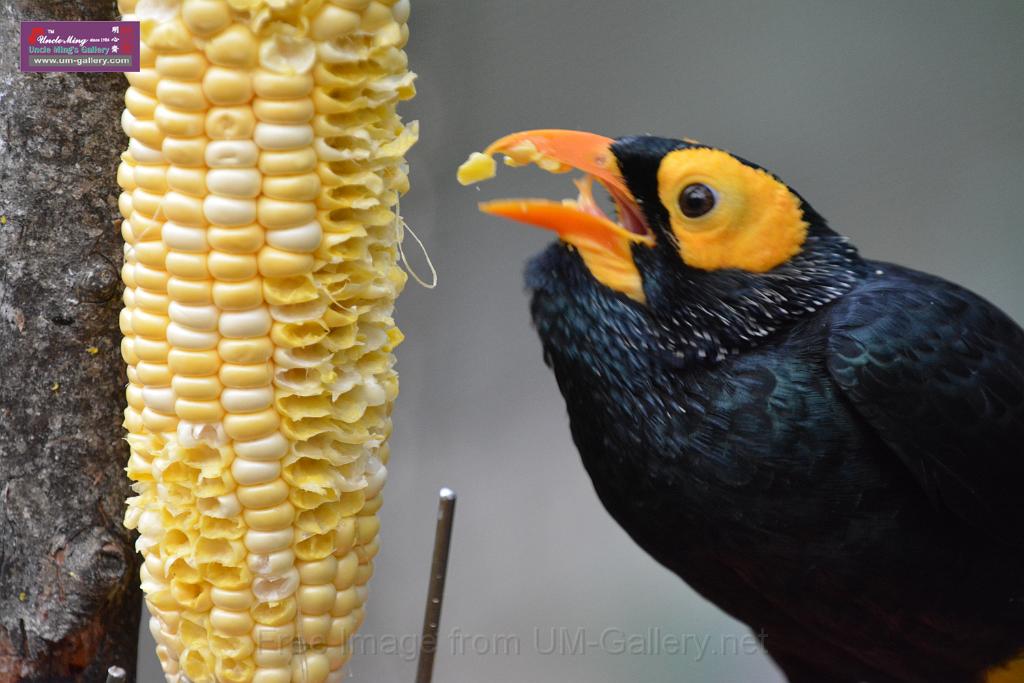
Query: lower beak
x,y
606,245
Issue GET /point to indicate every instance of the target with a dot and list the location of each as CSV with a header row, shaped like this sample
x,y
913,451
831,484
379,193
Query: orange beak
x,y
605,244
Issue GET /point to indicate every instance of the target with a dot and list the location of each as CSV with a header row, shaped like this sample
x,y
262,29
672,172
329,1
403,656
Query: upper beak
x,y
575,221
604,244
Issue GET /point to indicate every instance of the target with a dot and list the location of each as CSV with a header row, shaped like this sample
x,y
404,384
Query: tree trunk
x,y
69,598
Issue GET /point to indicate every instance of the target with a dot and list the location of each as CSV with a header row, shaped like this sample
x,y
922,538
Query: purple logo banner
x,y
79,46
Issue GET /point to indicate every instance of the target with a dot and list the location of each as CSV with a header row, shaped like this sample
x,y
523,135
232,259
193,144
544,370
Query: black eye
x,y
696,200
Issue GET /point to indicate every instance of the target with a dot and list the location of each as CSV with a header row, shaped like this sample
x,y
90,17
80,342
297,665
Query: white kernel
x,y
185,238
234,182
202,318
185,338
231,154
254,322
304,238
247,401
143,154
160,399
269,448
248,472
229,211
268,542
279,136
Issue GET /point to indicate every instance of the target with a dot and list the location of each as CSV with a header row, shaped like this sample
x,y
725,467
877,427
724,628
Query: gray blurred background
x,y
902,122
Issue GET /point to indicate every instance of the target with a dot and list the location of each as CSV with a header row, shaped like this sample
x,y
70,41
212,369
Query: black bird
x,y
828,448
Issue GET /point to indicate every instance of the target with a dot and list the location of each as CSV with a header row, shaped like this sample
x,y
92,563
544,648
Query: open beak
x,y
605,244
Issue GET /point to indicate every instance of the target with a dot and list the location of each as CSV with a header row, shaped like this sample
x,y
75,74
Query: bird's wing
x,y
938,373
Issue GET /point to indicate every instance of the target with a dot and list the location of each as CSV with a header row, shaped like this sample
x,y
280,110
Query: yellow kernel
x,y
139,103
184,209
248,426
348,565
230,623
263,495
331,22
299,110
282,86
344,536
241,376
304,187
291,161
237,600
148,132
146,203
143,79
254,350
276,263
128,351
477,168
185,95
151,253
149,278
271,518
134,396
151,301
272,675
182,124
206,17
238,295
232,267
154,374
185,151
318,571
315,629
316,599
230,123
198,388
151,178
184,67
354,5
168,36
149,325
196,363
226,87
186,265
272,654
190,291
159,422
236,47
191,181
367,527
198,411
236,240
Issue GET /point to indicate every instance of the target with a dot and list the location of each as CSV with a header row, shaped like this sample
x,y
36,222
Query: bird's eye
x,y
696,200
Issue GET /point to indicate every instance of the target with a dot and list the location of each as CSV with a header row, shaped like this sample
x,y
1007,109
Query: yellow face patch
x,y
754,222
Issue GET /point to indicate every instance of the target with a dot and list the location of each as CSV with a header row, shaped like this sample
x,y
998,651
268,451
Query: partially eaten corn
x,y
264,162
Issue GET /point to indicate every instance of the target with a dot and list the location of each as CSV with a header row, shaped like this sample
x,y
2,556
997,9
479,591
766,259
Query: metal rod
x,y
116,674
435,592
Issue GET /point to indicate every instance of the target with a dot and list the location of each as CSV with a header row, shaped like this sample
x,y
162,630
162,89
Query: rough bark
x,y
69,599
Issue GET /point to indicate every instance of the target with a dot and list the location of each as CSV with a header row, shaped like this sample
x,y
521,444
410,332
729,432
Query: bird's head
x,y
696,228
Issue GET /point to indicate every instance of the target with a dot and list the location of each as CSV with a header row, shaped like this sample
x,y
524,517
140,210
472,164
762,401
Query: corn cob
x,y
264,161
